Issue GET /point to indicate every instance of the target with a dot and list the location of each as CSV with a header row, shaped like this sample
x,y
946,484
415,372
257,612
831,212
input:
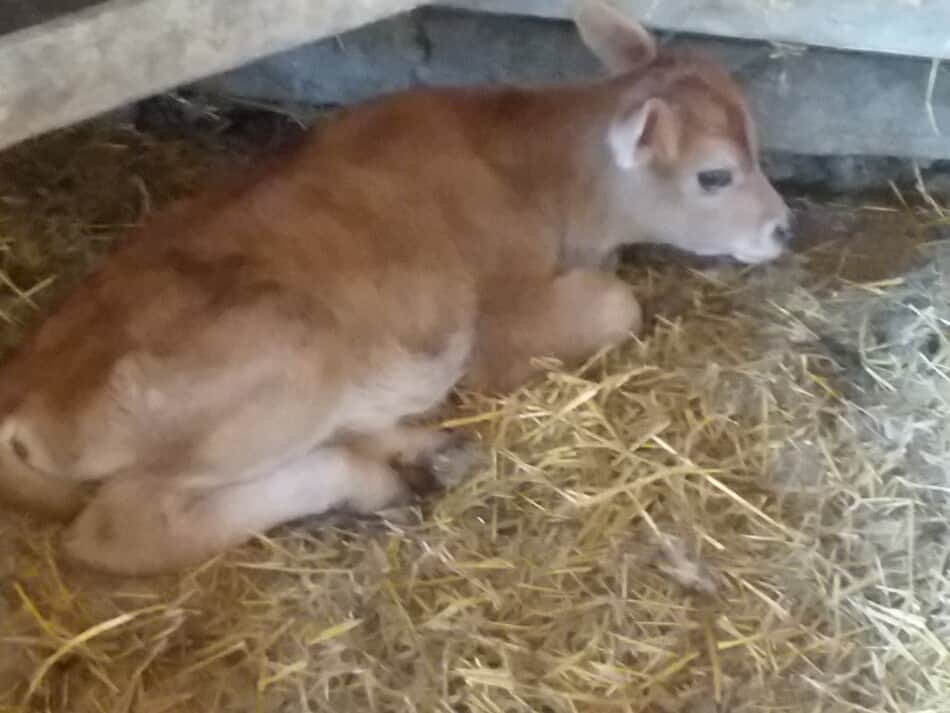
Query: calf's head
x,y
682,147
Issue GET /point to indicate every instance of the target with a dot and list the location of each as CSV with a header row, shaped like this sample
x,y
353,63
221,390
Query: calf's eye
x,y
714,180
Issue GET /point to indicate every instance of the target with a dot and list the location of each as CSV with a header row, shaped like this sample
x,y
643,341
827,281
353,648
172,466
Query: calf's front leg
x,y
569,317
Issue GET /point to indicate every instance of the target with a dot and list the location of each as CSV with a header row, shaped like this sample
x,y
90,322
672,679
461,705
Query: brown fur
x,y
231,367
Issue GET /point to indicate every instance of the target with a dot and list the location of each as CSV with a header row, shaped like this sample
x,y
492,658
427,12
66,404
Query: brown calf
x,y
251,357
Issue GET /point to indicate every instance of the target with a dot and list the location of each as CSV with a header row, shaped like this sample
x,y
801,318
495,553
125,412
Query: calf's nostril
x,y
782,234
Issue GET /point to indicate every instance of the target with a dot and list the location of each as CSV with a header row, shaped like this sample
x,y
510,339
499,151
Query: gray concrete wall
x,y
910,27
819,101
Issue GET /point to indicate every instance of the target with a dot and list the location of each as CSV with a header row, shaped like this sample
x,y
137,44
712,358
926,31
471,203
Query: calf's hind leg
x,y
148,524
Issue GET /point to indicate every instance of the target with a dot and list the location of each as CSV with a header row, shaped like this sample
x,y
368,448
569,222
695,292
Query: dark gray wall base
x,y
855,174
251,127
17,14
815,102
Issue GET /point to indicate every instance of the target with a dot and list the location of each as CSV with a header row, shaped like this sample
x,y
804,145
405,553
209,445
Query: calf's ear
x,y
618,41
644,134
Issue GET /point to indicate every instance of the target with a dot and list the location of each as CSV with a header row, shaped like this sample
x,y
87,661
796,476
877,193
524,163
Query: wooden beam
x,y
107,55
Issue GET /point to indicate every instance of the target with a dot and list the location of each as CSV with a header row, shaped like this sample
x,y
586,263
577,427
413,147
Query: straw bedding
x,y
745,511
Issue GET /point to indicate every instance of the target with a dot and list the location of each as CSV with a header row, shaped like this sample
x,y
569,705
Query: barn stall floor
x,y
745,511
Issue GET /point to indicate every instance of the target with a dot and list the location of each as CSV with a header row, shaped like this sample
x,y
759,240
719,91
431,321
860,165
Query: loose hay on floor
x,y
746,511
